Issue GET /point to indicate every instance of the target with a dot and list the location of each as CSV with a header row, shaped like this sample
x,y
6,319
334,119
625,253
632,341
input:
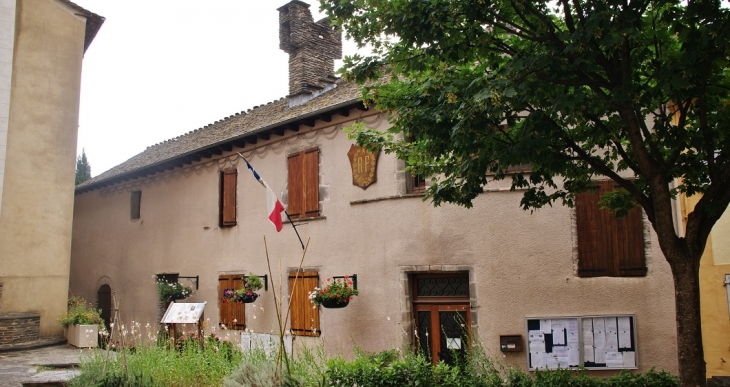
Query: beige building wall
x,y
7,37
714,296
37,199
521,265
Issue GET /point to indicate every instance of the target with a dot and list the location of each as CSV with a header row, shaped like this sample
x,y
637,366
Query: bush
x,y
80,313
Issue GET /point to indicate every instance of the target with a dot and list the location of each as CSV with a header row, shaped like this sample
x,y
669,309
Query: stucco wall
x,y
714,265
522,264
36,218
7,37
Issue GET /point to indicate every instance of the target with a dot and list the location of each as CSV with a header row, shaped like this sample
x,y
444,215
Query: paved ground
x,y
18,366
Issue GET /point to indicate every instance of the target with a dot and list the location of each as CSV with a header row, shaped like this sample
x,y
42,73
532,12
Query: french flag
x,y
273,204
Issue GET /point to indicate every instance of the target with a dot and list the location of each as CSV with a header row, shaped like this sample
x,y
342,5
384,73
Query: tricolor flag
x,y
273,204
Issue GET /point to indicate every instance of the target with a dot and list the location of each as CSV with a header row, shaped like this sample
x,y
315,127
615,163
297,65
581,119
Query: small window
x,y
232,314
228,197
304,317
135,202
608,246
303,189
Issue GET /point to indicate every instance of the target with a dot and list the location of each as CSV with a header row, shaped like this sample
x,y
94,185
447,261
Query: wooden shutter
x,y
304,316
135,204
295,185
232,314
228,197
303,191
311,182
608,246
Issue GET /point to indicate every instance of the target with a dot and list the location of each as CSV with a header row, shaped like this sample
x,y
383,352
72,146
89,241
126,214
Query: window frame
x,y
608,246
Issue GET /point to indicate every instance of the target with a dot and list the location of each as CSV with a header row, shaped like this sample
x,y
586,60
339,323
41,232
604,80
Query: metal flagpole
x,y
295,228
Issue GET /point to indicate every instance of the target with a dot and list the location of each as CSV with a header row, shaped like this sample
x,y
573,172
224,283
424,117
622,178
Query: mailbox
x,y
512,343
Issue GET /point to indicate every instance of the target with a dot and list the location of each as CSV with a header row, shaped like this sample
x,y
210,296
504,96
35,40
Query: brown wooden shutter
x,y
630,232
295,191
311,182
304,316
228,197
593,258
608,246
232,314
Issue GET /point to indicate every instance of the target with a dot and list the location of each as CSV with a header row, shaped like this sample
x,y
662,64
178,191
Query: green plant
x,y
169,291
247,293
80,313
339,289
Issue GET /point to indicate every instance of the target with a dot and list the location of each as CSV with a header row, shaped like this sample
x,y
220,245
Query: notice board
x,y
593,342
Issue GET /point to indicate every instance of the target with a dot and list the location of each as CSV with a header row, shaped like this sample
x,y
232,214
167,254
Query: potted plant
x,y
171,291
247,293
81,323
335,293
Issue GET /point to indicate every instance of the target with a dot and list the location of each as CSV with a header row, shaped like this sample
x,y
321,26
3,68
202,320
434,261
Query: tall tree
x,y
632,90
83,168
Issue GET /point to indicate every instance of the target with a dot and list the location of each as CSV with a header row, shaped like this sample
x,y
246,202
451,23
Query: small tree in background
x,y
83,169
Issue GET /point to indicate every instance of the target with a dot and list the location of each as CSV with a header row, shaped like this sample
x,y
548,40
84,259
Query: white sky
x,y
161,68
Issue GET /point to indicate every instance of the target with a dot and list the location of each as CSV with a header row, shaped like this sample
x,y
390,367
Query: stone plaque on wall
x,y
363,165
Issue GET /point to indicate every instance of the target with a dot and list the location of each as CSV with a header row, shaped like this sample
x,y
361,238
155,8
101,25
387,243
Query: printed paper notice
x,y
629,359
573,357
599,324
558,325
588,353
624,332
546,326
614,359
572,324
587,325
600,355
537,346
537,360
558,336
611,324
599,338
611,339
535,336
588,338
573,339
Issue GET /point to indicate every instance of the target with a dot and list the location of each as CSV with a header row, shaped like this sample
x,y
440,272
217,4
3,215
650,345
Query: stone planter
x,y
83,336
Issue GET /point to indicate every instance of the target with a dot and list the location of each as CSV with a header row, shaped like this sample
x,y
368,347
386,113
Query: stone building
x,y
535,289
42,44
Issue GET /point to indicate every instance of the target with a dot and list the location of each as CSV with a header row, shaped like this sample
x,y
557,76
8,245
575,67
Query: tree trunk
x,y
692,368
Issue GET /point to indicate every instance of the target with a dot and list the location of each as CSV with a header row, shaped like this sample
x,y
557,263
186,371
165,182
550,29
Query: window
x,y
232,314
228,197
303,192
135,203
607,246
304,317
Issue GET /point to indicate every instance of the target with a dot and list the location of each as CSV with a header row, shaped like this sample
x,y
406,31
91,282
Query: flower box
x,y
83,336
331,303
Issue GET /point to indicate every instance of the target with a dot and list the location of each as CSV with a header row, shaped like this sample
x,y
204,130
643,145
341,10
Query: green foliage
x,y
83,168
551,95
251,284
188,364
80,313
170,291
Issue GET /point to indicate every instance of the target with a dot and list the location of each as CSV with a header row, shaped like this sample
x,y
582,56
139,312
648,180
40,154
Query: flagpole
x,y
285,211
295,228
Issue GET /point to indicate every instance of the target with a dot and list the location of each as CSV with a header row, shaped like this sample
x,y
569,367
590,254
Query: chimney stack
x,y
312,48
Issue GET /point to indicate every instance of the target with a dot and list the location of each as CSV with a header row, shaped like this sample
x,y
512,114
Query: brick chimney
x,y
312,48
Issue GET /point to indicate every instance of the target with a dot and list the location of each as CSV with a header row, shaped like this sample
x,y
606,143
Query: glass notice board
x,y
594,342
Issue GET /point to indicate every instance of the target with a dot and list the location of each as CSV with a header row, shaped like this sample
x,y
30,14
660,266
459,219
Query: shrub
x,y
80,313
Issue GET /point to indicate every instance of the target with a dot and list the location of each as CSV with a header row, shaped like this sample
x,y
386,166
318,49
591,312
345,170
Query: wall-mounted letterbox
x,y
511,343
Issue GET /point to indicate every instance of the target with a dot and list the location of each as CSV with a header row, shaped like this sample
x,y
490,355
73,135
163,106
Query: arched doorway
x,y
104,303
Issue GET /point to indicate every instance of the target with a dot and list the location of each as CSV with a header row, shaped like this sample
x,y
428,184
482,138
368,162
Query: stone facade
x,y
19,327
312,48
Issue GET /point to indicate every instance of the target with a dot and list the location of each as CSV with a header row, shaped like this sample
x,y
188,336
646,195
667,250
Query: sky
x,y
161,68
